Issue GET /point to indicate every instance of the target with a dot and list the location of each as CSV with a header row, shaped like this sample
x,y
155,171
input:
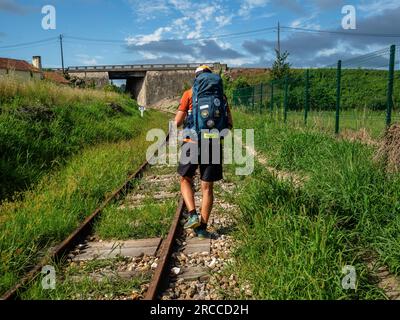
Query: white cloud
x,y
306,22
149,55
192,20
240,61
88,60
343,48
181,5
249,5
147,38
378,6
328,52
196,33
146,10
223,20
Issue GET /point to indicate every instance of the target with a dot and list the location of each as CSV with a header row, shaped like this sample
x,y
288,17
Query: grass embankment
x,y
42,124
294,242
356,124
359,89
50,210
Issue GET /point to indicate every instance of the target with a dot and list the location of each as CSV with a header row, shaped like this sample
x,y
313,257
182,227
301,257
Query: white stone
x,y
176,270
213,263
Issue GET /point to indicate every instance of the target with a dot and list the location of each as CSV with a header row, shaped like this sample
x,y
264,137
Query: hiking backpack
x,y
209,104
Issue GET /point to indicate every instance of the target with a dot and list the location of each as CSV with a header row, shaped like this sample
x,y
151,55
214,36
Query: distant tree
x,y
281,67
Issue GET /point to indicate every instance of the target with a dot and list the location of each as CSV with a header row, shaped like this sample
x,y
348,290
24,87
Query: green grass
x,y
288,251
42,125
294,242
351,122
73,282
359,89
151,220
62,199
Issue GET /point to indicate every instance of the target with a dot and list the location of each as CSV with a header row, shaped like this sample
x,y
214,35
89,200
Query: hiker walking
x,y
203,111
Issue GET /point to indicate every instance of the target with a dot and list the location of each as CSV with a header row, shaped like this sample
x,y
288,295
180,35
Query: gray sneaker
x,y
192,222
202,233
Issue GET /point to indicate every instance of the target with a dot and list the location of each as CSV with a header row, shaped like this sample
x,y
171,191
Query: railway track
x,y
176,266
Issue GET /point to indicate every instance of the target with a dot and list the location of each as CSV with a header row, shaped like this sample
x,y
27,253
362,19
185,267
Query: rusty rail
x,y
160,274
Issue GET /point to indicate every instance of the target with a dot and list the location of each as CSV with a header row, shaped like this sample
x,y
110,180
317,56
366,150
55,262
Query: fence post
x,y
389,103
307,98
271,106
285,100
252,101
338,79
261,96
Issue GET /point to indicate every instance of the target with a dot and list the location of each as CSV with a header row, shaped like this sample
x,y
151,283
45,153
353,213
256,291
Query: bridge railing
x,y
143,67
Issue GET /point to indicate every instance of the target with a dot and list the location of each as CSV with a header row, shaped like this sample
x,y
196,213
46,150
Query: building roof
x,y
55,77
19,65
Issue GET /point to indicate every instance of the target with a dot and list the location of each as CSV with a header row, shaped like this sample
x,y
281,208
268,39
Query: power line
x,y
229,35
28,43
52,43
363,60
233,35
70,39
347,33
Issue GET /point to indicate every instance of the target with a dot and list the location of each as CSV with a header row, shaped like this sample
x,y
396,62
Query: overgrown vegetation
x,y
148,221
77,282
42,124
49,212
360,89
77,146
293,242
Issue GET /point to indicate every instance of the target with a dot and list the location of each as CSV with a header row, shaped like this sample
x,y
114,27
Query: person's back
x,y
201,108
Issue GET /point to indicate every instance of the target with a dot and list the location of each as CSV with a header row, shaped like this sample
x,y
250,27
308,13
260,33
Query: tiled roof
x,y
55,76
20,65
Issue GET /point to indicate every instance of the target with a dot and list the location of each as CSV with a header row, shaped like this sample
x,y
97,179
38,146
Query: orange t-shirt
x,y
186,101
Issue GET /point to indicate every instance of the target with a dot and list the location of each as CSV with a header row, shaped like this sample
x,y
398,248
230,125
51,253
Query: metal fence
x,y
358,92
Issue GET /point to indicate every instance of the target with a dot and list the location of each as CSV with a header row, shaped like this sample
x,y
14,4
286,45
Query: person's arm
x,y
180,118
182,109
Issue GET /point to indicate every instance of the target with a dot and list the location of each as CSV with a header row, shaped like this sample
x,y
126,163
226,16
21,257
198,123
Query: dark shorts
x,y
209,171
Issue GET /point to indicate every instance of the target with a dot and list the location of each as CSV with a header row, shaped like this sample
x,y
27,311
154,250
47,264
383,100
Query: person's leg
x,y
209,173
187,170
187,193
207,190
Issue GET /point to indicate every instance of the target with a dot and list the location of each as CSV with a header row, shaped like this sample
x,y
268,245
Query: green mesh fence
x,y
353,97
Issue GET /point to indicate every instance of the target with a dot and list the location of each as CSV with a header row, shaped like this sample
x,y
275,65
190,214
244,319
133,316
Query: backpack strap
x,y
195,106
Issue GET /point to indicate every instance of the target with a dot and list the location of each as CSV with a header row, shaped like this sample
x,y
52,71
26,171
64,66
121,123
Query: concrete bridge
x,y
147,83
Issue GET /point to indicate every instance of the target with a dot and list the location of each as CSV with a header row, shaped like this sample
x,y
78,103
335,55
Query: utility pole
x,y
62,53
279,39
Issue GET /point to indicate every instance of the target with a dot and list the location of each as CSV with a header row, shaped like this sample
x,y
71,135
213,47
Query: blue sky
x,y
163,31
